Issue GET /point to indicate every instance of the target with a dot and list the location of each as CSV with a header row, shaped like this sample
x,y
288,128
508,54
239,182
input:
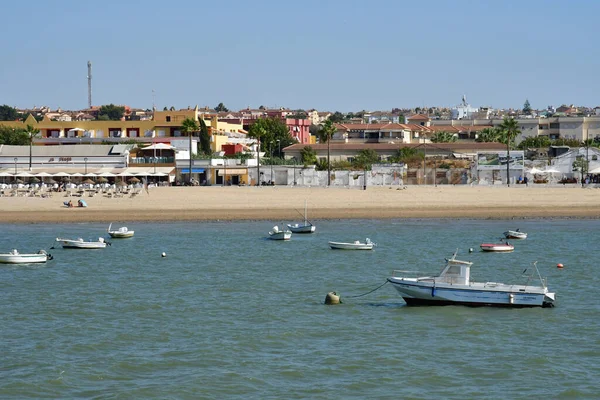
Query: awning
x,y
232,171
194,170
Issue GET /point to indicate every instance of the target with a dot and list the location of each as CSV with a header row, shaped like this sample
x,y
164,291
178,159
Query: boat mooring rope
x,y
369,292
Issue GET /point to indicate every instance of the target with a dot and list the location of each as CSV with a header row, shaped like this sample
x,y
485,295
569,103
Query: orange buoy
x,y
559,266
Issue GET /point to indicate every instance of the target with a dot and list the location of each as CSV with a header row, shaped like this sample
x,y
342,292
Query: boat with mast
x,y
303,227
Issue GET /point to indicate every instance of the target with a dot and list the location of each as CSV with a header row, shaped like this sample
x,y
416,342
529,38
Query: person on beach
x,y
525,181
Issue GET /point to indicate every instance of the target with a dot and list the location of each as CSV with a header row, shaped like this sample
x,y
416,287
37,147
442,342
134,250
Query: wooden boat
x,y
515,234
503,247
305,227
356,245
120,233
454,287
82,244
280,234
14,257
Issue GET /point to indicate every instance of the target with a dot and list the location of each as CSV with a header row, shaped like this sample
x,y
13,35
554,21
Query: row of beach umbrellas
x,y
25,174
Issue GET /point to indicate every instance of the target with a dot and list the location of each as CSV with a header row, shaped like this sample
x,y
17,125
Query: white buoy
x,y
470,250
164,254
332,298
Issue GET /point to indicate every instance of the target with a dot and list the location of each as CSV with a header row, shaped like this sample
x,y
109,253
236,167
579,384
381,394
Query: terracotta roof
x,y
418,117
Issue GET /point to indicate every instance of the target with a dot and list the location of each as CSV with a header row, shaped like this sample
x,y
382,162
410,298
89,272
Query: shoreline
x,y
172,204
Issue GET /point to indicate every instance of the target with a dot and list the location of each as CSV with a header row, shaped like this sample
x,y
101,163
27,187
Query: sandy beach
x,y
285,203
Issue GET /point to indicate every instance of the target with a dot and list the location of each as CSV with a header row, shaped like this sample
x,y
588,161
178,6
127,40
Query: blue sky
x,y
329,55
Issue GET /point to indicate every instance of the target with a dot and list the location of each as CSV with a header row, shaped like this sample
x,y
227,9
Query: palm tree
x,y
510,129
327,132
189,126
31,133
257,130
488,135
443,137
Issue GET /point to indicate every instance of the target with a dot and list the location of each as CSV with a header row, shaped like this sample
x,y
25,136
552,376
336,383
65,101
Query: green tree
x,y
188,127
31,133
8,113
308,156
527,107
274,129
488,135
509,129
443,137
408,155
204,138
365,159
534,142
111,112
327,131
13,136
336,117
221,108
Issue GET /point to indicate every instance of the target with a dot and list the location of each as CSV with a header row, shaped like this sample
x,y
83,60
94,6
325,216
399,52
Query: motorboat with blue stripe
x,y
453,286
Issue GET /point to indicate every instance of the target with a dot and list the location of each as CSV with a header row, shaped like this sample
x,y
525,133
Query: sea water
x,y
230,314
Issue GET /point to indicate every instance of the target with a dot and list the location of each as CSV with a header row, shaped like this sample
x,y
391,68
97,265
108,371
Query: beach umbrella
x,y
61,174
5,174
77,174
43,174
24,174
88,182
35,179
121,183
52,181
19,180
90,174
102,179
65,179
134,180
107,174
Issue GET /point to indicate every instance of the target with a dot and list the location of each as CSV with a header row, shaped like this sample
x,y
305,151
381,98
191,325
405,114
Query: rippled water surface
x,y
230,314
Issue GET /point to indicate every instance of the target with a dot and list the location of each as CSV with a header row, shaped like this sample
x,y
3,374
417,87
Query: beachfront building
x,y
463,110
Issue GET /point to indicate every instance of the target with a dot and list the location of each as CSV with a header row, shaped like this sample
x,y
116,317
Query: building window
x,y
168,118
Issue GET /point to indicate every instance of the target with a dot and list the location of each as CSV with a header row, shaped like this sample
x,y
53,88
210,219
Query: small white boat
x,y
503,247
453,286
82,244
356,245
14,257
305,227
515,234
120,233
280,234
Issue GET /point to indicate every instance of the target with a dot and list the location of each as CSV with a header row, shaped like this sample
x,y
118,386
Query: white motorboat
x,y
356,245
82,244
14,257
305,227
280,234
503,247
120,233
453,286
515,234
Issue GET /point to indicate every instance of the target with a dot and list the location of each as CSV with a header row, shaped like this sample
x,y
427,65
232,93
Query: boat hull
x,y
280,236
302,228
350,246
515,235
121,235
82,244
422,294
497,248
23,258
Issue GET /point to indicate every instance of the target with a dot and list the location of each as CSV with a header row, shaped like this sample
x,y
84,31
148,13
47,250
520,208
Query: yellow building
x,y
164,126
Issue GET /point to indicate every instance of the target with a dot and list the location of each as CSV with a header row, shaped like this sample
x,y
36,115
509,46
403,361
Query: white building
x,y
463,110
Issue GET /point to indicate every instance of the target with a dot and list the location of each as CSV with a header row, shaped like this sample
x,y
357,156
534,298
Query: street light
x,y
271,159
258,176
85,160
30,144
279,144
294,170
15,165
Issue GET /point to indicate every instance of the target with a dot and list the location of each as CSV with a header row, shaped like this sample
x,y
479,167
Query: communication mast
x,y
89,78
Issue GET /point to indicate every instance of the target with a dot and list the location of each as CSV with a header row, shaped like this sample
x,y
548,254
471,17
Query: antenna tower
x,y
89,78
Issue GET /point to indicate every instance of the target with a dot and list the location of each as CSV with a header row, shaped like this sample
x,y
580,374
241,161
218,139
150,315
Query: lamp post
x,y
294,171
85,161
279,151
328,163
190,178
30,145
271,159
15,165
424,157
258,161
